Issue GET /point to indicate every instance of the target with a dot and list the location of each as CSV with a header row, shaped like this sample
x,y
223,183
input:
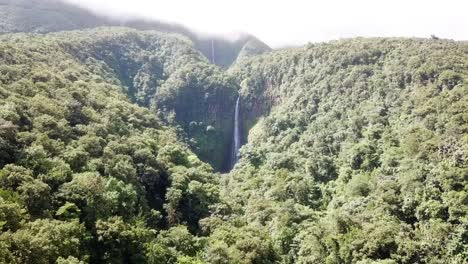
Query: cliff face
x,y
225,52
167,74
260,92
86,175
203,101
354,149
356,152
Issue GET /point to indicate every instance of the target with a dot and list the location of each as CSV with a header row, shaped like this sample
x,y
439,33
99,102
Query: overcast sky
x,y
294,22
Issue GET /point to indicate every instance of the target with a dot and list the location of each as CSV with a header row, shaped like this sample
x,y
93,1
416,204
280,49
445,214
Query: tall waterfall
x,y
236,141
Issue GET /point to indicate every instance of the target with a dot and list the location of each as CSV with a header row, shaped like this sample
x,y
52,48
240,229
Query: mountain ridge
x,y
112,140
44,16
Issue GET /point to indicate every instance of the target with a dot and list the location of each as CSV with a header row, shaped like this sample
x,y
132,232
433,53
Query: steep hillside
x,y
251,48
224,52
357,152
166,73
44,16
85,173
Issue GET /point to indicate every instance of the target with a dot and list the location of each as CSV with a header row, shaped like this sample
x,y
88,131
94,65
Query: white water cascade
x,y
236,141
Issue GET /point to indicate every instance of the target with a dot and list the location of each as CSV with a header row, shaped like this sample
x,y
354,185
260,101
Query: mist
x,y
296,22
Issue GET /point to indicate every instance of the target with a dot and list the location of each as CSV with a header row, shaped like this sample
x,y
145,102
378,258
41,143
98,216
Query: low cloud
x,y
295,22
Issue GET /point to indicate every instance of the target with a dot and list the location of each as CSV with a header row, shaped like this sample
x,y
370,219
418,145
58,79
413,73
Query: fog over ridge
x,y
297,22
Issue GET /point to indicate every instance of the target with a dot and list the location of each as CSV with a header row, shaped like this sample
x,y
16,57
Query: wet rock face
x,y
207,121
257,105
174,80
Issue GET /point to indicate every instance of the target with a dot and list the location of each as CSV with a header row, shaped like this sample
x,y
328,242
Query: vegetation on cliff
x,y
356,153
45,16
85,173
163,72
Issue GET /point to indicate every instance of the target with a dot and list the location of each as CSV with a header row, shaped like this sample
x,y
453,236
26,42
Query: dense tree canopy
x,y
85,173
356,153
44,16
161,71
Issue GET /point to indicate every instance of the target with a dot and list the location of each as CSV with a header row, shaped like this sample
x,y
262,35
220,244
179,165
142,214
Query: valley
x,y
126,144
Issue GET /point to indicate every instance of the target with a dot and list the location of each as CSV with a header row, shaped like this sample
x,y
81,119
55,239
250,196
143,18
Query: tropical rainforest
x,y
116,146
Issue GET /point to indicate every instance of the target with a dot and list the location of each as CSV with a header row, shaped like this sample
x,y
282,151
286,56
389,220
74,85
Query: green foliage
x,y
170,72
43,16
44,241
356,151
364,141
245,245
85,174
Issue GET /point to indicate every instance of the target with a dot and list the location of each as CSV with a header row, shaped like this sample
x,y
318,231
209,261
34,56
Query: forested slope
x,y
166,73
45,16
357,152
87,174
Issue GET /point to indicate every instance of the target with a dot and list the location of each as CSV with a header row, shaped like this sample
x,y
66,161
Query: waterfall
x,y
236,141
